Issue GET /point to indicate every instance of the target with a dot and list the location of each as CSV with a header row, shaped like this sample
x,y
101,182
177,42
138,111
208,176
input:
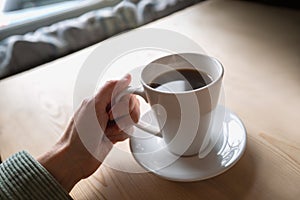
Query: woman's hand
x,y
95,127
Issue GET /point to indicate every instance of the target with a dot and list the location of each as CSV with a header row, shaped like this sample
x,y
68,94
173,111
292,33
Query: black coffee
x,y
181,80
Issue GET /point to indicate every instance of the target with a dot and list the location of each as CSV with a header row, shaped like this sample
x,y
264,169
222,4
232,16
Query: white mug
x,y
184,117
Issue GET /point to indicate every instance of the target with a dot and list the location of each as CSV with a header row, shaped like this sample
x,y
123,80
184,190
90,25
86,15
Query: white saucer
x,y
152,154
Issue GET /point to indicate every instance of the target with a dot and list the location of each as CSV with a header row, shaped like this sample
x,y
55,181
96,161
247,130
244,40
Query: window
x,y
12,5
19,11
21,16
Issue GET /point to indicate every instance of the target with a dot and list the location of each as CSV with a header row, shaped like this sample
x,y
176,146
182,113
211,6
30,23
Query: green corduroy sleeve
x,y
22,177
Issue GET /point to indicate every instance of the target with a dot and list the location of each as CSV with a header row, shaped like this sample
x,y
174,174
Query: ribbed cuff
x,y
22,177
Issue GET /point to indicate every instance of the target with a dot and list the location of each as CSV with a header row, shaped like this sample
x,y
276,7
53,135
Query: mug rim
x,y
190,91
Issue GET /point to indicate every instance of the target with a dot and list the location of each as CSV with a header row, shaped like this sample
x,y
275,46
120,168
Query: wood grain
x,y
259,48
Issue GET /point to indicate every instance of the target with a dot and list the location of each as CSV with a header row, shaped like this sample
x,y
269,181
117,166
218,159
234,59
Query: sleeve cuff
x,y
22,177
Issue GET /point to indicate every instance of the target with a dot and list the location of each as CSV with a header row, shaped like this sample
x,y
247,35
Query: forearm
x,y
69,161
58,164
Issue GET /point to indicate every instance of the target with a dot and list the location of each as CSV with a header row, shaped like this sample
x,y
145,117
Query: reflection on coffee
x,y
181,80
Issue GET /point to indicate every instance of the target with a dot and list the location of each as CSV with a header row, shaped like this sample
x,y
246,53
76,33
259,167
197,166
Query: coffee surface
x,y
180,80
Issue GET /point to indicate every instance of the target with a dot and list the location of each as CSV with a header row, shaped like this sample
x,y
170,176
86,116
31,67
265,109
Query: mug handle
x,y
142,125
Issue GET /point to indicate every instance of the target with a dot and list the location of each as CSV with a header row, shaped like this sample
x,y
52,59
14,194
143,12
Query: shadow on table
x,y
233,184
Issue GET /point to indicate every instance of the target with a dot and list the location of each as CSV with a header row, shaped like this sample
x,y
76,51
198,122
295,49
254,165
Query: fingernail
x,y
136,120
132,103
111,117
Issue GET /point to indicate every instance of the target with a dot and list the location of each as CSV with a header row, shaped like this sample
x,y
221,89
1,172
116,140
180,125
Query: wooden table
x,y
259,47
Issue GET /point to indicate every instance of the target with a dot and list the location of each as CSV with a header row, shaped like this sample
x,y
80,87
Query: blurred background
x,y
33,32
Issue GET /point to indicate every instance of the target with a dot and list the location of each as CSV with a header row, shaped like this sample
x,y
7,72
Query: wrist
x,y
59,165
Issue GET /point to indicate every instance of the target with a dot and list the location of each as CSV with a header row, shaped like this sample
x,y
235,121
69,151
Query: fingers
x,y
110,89
114,134
103,98
118,138
126,106
122,115
135,112
121,124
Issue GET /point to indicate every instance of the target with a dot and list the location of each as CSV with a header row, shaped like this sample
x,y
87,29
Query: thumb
x,y
122,84
111,89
